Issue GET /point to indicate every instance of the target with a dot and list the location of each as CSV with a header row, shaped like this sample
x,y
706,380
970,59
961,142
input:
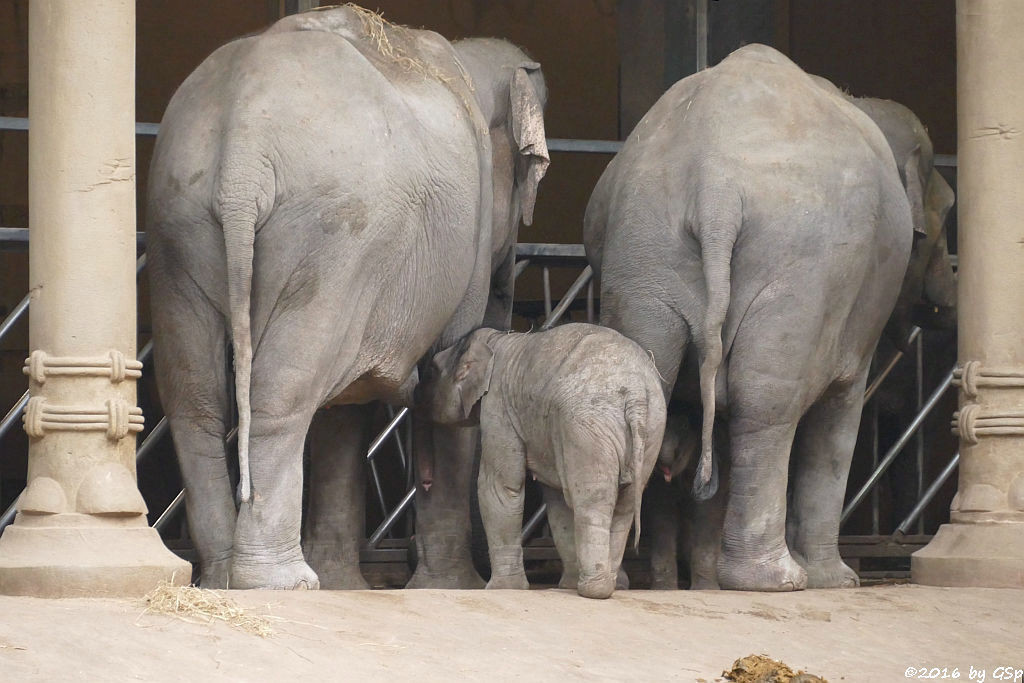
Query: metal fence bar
x,y
919,437
534,522
398,438
875,526
883,465
167,514
546,272
390,520
914,335
570,296
380,489
922,503
395,421
14,316
13,414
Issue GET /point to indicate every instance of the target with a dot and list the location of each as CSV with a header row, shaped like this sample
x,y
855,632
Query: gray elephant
x,y
331,195
929,277
762,217
579,407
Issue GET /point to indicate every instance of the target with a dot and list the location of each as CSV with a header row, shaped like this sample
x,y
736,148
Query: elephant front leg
x,y
267,550
335,520
560,521
664,534
754,554
822,454
443,527
501,491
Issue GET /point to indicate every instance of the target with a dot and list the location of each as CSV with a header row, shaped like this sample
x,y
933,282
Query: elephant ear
x,y
915,192
473,375
527,114
940,199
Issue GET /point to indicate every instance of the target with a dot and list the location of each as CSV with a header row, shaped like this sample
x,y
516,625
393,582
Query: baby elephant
x,y
582,409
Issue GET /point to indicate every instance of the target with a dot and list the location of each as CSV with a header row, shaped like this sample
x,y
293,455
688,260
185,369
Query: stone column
x,y
984,543
81,527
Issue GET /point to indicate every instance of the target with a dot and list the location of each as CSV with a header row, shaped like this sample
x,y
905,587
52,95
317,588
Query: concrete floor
x,y
865,634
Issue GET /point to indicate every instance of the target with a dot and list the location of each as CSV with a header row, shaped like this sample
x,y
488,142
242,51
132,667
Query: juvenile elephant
x,y
763,217
331,195
581,409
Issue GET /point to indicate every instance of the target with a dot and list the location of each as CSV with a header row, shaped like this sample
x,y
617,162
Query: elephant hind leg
x,y
191,365
822,454
560,521
754,555
663,514
335,519
592,499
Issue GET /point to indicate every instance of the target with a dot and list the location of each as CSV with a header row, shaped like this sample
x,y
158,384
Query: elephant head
x,y
456,379
930,279
511,92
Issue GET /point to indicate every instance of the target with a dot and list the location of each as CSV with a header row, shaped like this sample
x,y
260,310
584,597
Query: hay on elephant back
x,y
764,669
200,605
376,28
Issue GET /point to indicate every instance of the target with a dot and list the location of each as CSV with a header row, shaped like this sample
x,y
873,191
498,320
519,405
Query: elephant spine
x,y
636,418
719,216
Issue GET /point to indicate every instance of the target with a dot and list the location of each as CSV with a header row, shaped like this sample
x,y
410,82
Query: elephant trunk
x,y
719,219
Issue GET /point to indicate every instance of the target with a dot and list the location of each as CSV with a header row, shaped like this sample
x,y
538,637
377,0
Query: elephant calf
x,y
582,408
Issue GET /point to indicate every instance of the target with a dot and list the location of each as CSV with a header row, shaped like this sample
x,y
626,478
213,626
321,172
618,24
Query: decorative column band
x,y
116,418
114,365
971,376
973,421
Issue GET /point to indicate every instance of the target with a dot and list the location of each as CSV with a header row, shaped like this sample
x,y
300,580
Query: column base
x,y
989,555
86,561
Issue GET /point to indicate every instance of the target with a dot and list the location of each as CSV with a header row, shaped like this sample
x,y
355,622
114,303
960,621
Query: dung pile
x,y
764,669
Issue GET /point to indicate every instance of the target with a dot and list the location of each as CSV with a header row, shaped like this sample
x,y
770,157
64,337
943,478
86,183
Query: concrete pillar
x,y
983,545
81,527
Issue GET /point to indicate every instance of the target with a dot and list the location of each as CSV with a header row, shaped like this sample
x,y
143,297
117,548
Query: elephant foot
x,y
341,577
664,583
295,575
782,574
335,571
513,582
461,577
703,583
621,580
830,574
598,587
215,574
569,580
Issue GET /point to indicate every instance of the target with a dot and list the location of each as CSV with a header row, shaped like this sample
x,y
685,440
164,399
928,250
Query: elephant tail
x,y
719,214
240,212
636,419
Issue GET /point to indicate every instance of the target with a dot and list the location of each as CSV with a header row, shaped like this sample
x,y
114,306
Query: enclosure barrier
x,y
544,255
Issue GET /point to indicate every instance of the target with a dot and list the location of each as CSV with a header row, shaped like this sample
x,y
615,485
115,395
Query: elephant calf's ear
x,y
473,376
912,183
527,115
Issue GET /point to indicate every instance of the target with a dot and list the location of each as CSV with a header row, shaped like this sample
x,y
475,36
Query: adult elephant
x,y
329,194
929,278
762,217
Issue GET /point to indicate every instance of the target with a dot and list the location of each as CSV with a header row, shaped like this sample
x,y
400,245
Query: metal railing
x,y
546,256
